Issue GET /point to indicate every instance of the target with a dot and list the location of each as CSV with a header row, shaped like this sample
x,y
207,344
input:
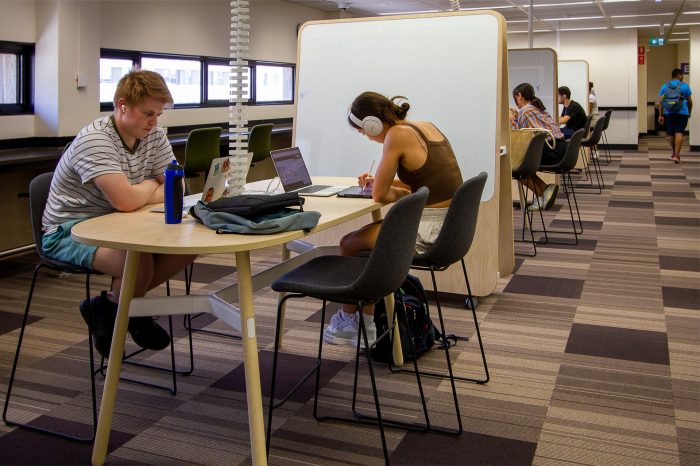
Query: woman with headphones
x,y
415,154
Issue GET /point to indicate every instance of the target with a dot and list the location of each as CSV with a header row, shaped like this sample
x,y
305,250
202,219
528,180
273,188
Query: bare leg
x,y
535,184
677,144
672,142
351,245
154,269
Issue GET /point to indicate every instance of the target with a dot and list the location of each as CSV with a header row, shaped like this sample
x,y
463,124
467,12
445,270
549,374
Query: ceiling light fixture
x,y
687,24
572,19
642,15
638,26
409,12
597,28
477,8
546,5
680,33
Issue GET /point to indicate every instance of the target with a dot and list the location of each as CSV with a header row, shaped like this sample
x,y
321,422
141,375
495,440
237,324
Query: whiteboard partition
x,y
574,75
539,68
446,65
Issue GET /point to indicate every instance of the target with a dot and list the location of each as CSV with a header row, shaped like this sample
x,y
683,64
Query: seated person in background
x,y
572,115
116,163
531,113
420,155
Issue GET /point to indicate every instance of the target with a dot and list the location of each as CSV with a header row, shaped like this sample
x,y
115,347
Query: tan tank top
x,y
440,172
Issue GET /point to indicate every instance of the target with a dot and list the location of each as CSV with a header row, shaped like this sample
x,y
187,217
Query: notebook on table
x,y
294,176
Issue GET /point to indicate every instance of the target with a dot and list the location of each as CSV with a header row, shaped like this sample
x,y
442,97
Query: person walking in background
x,y
675,105
592,105
572,115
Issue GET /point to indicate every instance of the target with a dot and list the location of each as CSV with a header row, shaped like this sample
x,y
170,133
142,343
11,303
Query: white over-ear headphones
x,y
371,125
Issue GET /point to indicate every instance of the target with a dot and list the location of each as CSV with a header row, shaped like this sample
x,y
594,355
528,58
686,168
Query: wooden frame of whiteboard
x,y
491,255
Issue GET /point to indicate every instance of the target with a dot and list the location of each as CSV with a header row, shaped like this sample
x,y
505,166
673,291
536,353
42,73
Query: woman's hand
x,y
365,180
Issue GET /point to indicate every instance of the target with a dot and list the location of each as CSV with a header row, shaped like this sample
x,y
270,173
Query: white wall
x,y
197,27
694,82
612,56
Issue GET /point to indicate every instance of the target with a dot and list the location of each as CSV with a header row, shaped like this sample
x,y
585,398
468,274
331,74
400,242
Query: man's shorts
x,y
675,123
429,227
61,246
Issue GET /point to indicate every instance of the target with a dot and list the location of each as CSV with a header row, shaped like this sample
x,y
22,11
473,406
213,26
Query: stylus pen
x,y
369,173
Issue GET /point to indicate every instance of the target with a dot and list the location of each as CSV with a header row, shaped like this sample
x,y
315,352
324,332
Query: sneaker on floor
x,y
536,205
342,329
100,313
148,334
550,195
371,333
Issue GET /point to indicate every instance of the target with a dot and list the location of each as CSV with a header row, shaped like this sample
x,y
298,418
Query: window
x,y
274,83
199,81
16,78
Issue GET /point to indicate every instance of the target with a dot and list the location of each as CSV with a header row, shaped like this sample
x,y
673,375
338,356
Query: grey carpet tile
x,y
592,353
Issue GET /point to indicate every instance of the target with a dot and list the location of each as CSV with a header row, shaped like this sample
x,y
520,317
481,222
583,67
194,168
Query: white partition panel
x,y
446,65
574,75
539,68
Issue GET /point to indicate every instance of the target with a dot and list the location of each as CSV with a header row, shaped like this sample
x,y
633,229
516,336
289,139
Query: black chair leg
x,y
13,371
523,204
568,191
271,403
363,332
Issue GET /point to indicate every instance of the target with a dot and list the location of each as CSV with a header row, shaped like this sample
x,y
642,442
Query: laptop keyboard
x,y
313,188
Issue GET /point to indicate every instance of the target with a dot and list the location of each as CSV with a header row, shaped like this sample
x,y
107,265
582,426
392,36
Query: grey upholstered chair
x,y
591,143
604,137
563,168
529,167
451,246
354,280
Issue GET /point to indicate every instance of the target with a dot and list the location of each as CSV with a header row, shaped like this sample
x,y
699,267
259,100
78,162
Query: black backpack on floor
x,y
420,326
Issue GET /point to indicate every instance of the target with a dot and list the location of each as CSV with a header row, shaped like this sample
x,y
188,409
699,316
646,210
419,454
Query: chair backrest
x,y
391,257
203,145
533,157
608,112
568,162
259,141
587,126
457,232
39,189
595,136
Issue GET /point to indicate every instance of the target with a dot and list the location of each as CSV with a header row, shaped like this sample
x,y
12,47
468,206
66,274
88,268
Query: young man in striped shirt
x,y
116,163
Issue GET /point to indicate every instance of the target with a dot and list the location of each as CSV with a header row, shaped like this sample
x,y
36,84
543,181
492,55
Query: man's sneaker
x,y
148,334
100,313
342,329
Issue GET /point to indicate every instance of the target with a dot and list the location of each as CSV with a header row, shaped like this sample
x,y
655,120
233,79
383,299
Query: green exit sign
x,y
656,41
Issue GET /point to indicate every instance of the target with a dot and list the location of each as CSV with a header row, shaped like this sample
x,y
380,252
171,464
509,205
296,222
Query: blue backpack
x,y
673,98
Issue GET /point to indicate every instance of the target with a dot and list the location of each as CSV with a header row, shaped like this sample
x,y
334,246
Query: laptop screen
x,y
291,168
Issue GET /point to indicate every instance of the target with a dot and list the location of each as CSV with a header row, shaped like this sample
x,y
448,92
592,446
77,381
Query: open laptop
x,y
295,177
226,177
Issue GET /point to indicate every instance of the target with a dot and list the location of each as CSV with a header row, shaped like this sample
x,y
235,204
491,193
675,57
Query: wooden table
x,y
146,231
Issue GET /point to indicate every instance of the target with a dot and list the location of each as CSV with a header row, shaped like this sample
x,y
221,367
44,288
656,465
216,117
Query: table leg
x,y
396,336
250,359
109,392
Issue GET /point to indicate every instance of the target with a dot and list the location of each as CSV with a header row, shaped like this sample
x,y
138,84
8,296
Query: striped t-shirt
x,y
97,150
531,117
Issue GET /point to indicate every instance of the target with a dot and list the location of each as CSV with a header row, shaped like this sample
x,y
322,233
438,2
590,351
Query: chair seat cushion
x,y
325,277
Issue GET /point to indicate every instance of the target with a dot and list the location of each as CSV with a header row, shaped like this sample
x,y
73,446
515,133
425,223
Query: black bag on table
x,y
256,205
420,326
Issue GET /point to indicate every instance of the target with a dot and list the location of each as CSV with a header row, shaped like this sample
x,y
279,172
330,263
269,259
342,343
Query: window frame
x,y
25,81
205,61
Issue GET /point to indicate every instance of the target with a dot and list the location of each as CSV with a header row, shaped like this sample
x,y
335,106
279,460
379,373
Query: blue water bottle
x,y
174,194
